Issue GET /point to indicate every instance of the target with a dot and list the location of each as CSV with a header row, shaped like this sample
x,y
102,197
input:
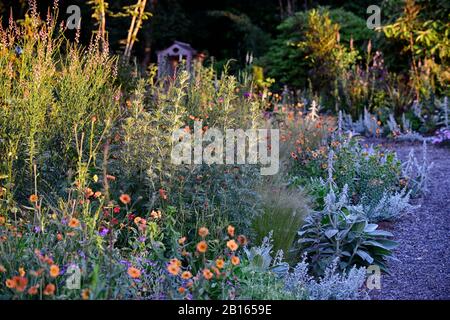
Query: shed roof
x,y
183,48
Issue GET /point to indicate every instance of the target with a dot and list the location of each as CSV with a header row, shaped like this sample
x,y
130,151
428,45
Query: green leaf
x,y
365,256
382,233
370,227
387,246
331,233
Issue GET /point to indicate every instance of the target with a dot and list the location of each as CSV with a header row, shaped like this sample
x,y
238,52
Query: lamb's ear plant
x,y
416,173
333,285
341,231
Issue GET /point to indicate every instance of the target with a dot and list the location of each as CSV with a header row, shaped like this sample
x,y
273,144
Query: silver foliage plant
x,y
417,172
390,207
332,286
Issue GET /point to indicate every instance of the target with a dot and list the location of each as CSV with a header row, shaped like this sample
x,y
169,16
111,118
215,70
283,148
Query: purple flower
x,y
125,262
37,229
103,231
81,254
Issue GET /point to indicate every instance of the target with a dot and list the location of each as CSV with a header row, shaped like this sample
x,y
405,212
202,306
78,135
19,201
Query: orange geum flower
x,y
125,199
175,261
232,245
203,232
163,194
49,289
33,198
235,260
85,294
2,220
173,269
10,283
59,237
202,246
88,192
186,275
242,240
156,214
54,271
216,271
22,272
33,290
134,272
230,230
207,274
20,283
184,253
74,223
220,263
137,220
181,290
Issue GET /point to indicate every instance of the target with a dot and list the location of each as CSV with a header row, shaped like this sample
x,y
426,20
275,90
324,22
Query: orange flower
x,y
186,275
184,253
232,245
54,271
33,290
207,274
202,246
49,289
242,240
137,220
22,272
175,261
156,214
230,230
235,260
216,270
74,223
2,268
33,198
181,241
88,192
203,232
20,283
173,269
163,194
59,236
10,283
2,220
125,199
181,290
97,194
134,272
85,294
220,263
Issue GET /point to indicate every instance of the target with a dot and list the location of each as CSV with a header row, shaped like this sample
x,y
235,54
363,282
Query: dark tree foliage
x,y
225,29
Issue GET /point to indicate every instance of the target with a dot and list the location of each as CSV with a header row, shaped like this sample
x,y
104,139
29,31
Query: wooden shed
x,y
170,58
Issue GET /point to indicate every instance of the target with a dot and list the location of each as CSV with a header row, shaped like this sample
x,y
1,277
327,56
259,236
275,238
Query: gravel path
x,y
423,269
